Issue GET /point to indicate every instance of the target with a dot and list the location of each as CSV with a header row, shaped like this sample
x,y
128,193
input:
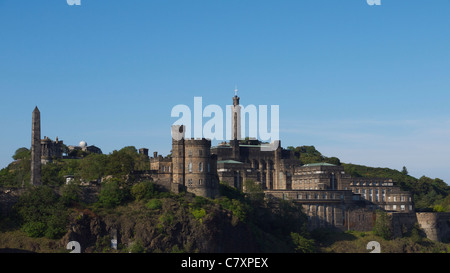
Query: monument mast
x,y
36,148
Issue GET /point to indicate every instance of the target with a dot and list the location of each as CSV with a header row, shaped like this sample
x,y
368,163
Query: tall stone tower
x,y
36,148
235,127
178,158
236,118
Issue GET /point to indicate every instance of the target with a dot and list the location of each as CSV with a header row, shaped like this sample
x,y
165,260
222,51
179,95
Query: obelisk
x,y
36,148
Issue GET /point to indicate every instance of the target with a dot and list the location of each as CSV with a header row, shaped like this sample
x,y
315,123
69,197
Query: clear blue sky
x,y
368,84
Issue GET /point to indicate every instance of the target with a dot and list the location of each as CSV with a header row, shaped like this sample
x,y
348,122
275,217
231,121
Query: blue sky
x,y
368,84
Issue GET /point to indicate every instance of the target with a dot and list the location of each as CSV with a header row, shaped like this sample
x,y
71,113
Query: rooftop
x,y
318,164
229,162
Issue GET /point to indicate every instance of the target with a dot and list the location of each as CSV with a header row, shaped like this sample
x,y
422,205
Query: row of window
x,y
377,196
200,167
190,182
315,180
371,184
394,207
319,196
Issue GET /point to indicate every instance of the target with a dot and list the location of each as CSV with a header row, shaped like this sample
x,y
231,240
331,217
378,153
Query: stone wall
x,y
436,225
402,223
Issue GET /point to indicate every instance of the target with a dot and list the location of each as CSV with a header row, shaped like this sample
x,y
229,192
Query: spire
x,y
235,98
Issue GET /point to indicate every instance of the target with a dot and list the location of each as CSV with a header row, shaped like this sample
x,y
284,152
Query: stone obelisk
x,y
36,148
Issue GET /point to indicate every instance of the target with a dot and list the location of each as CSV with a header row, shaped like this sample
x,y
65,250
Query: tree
x,y
41,213
22,153
120,163
302,244
382,226
112,194
404,171
70,193
93,166
254,191
143,191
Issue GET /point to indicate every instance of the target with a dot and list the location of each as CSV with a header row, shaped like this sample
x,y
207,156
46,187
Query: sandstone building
x,y
329,196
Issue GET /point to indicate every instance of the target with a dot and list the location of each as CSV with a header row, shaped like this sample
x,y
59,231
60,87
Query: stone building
x,y
329,196
191,167
83,146
51,149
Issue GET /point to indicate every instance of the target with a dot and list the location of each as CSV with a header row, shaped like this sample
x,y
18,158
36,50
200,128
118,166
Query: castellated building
x,y
51,149
191,167
329,196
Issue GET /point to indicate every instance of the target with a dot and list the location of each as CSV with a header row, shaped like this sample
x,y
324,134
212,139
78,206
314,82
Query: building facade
x,y
329,196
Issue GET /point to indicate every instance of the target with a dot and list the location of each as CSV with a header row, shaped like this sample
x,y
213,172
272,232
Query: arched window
x,y
200,167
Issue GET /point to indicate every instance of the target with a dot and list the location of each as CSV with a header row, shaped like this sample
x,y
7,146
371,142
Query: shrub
x,y
198,213
143,190
382,226
41,213
111,194
154,204
302,244
34,229
136,247
70,193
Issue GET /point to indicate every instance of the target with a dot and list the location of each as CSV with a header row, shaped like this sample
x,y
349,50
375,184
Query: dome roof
x,y
83,144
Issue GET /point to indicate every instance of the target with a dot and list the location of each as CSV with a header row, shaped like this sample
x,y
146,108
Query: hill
x,y
149,219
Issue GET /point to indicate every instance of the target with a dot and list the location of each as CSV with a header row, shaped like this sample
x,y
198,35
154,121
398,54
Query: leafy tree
x,y
70,193
254,191
22,153
154,204
404,171
302,244
94,166
112,194
40,213
382,226
51,174
120,163
143,191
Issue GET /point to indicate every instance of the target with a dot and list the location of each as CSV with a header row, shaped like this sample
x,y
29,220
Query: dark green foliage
x,y
233,200
382,226
51,174
94,167
254,192
41,213
154,204
309,154
70,194
34,229
22,153
404,170
144,190
113,193
302,244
